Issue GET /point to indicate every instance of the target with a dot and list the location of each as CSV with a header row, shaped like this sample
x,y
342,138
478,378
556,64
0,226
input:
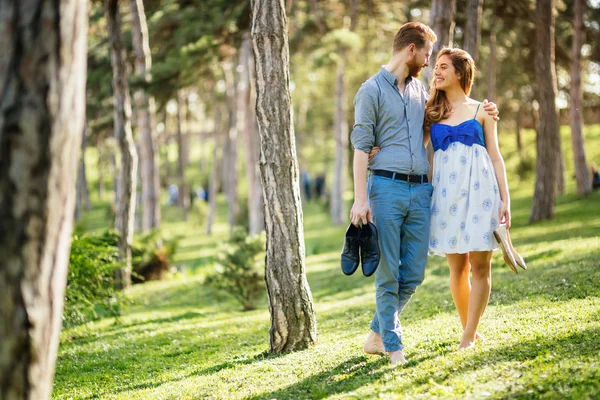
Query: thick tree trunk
x,y
248,104
128,168
144,107
230,158
184,193
82,197
337,210
473,28
582,174
42,112
293,322
548,144
491,75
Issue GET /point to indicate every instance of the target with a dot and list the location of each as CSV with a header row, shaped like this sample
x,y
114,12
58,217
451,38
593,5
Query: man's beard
x,y
414,69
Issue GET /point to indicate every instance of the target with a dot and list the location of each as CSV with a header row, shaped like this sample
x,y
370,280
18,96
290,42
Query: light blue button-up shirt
x,y
386,118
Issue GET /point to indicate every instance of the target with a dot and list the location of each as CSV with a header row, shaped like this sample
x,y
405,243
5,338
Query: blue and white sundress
x,y
465,205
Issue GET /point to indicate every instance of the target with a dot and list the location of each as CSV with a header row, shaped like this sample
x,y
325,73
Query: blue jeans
x,y
401,215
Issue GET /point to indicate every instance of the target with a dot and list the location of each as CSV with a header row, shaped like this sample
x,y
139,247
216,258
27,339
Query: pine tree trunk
x,y
518,131
337,210
230,159
214,184
473,28
293,322
128,169
248,104
82,197
582,174
442,23
144,107
548,143
42,112
491,75
184,194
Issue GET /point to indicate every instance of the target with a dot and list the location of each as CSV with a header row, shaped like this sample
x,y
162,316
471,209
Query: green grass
x,y
182,340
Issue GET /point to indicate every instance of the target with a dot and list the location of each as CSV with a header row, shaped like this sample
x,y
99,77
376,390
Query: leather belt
x,y
401,177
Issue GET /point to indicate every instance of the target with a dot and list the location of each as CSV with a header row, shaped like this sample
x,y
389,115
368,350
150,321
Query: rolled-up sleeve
x,y
365,117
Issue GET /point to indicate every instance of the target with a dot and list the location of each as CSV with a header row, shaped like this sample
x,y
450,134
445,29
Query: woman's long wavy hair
x,y
438,107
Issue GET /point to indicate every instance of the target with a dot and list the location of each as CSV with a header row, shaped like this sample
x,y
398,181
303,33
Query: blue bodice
x,y
469,132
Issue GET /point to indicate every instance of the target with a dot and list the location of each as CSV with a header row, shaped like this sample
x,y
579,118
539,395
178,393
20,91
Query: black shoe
x,y
369,249
350,252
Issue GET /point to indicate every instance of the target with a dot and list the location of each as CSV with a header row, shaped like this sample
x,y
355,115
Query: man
x,y
389,112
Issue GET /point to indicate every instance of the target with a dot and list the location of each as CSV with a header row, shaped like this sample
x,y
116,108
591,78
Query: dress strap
x,y
475,116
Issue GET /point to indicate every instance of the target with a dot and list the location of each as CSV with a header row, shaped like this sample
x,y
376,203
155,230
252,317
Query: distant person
x,y
595,176
305,178
173,194
319,186
389,113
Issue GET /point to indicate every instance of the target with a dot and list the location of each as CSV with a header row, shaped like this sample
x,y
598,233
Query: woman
x,y
470,197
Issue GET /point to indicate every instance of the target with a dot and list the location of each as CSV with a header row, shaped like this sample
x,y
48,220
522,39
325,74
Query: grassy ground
x,y
182,340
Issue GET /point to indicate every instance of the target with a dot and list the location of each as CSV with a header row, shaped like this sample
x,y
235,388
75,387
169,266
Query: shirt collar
x,y
391,78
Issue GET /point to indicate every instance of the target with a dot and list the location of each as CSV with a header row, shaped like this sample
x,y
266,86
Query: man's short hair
x,y
413,32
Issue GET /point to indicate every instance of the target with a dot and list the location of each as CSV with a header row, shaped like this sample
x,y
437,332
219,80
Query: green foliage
x,y
152,256
199,212
91,291
239,266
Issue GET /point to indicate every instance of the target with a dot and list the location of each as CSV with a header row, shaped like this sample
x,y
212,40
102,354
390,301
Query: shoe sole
x,y
505,253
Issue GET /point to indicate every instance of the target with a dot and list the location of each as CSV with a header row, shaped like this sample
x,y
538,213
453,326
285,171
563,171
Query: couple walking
x,y
395,118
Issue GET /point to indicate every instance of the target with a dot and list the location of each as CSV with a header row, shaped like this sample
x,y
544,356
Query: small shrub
x,y
199,212
524,168
91,288
239,268
152,256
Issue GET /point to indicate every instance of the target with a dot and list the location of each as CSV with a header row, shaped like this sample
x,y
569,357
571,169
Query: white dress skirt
x,y
465,205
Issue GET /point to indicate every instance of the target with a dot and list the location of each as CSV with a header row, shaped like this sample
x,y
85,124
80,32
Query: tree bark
x,y
82,196
184,194
42,112
548,150
293,322
248,103
473,28
128,169
144,107
582,174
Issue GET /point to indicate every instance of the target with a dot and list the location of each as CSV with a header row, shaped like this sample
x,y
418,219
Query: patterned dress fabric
x,y
465,205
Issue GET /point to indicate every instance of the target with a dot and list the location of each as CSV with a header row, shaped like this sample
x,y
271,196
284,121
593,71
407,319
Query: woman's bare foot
x,y
466,344
479,337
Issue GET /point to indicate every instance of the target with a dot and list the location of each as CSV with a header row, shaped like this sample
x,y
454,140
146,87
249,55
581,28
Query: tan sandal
x,y
503,239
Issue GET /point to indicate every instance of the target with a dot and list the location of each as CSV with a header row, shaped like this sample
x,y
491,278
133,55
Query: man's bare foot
x,y
397,357
374,344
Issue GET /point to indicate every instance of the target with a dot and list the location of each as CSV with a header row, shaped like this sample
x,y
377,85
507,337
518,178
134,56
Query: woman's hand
x,y
374,151
505,214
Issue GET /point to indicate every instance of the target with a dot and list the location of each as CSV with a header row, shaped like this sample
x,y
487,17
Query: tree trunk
x,y
293,322
582,175
492,68
247,96
82,197
42,112
473,29
184,195
518,131
548,150
213,185
442,23
100,166
144,107
337,210
124,137
230,159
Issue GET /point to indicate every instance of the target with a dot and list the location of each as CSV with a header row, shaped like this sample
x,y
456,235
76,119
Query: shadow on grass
x,y
346,377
